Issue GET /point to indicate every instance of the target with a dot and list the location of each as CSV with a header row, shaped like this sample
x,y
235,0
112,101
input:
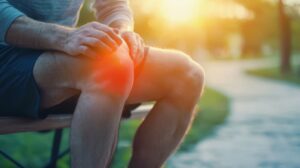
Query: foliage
x,y
212,33
295,35
274,73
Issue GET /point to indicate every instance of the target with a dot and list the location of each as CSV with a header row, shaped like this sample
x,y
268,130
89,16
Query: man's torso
x,y
64,12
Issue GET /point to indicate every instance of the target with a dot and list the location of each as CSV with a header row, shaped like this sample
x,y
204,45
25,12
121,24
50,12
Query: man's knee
x,y
112,74
186,87
195,77
188,75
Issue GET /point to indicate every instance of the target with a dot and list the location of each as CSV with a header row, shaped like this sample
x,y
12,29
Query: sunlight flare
x,y
180,11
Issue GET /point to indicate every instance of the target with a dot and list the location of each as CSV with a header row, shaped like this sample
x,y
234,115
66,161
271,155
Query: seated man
x,y
45,60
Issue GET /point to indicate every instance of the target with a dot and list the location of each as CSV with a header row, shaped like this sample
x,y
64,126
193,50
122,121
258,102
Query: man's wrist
x,y
59,37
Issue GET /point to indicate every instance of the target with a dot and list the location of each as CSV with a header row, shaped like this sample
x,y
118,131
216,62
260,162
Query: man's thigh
x,y
61,76
54,74
160,72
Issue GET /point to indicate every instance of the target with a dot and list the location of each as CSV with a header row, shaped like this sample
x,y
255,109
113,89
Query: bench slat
x,y
13,124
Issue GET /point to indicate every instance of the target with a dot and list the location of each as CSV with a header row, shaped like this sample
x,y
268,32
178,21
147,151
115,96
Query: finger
x,y
104,47
102,36
126,39
88,52
140,49
137,51
114,35
90,41
140,44
132,44
96,43
110,32
109,42
137,47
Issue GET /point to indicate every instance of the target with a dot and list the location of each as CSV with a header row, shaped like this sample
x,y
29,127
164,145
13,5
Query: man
x,y
45,60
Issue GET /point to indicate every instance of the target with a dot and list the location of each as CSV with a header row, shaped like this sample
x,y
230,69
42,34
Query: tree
x,y
285,40
256,31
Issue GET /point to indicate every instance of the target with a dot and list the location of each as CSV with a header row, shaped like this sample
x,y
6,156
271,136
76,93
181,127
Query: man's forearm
x,y
88,40
114,13
28,33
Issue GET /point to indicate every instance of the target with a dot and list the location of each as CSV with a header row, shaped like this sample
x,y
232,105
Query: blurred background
x,y
249,114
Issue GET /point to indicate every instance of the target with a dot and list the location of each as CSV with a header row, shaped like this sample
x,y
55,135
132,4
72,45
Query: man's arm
x,y
114,13
18,30
28,33
22,31
88,40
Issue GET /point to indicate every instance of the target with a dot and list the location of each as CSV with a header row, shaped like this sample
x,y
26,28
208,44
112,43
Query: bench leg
x,y
17,164
55,148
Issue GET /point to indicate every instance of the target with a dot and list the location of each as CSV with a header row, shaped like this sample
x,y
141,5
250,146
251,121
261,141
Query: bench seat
x,y
56,121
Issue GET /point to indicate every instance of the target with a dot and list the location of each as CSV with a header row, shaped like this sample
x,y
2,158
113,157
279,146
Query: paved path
x,y
263,129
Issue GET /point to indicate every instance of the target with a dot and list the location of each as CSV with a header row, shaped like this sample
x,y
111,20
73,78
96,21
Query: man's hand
x,y
135,44
91,40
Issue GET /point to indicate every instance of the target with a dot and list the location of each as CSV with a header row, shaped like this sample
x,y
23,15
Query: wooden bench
x,y
56,123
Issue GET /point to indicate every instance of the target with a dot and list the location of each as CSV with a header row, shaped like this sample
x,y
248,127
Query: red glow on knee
x,y
118,79
115,75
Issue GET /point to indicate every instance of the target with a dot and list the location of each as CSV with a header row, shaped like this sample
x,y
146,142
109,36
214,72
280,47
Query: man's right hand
x,y
91,40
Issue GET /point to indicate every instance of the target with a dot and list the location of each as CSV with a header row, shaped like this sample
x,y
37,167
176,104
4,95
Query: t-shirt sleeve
x,y
8,14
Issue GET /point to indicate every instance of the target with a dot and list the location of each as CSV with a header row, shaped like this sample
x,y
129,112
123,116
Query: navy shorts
x,y
19,94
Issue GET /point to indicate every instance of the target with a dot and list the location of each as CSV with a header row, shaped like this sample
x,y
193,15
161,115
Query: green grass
x,y
33,149
274,73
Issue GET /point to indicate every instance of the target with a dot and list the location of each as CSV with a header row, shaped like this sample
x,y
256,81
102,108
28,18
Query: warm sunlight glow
x,y
180,11
114,73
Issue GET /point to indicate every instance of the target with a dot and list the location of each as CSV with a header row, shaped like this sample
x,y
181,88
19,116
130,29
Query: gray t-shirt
x,y
63,12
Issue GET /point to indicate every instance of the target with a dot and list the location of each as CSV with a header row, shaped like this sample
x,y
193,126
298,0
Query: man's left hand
x,y
135,44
